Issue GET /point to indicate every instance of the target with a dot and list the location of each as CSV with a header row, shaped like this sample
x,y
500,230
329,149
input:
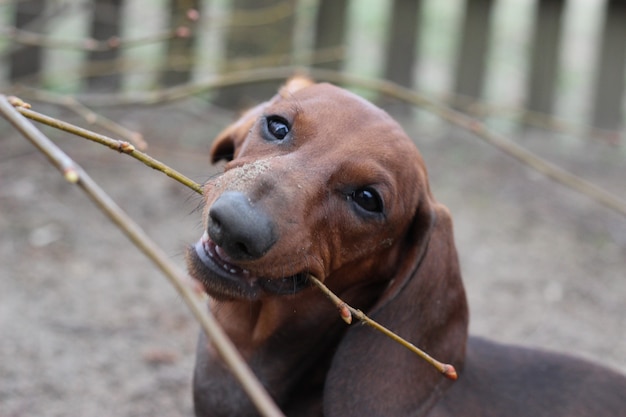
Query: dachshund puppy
x,y
319,181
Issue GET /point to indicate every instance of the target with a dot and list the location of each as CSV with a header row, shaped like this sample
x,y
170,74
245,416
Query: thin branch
x,y
118,145
75,174
259,16
96,119
238,18
446,369
92,117
475,107
29,38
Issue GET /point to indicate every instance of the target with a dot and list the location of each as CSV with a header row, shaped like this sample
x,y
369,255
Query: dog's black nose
x,y
243,231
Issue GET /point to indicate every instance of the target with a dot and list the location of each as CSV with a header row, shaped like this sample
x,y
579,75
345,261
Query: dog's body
x,y
322,182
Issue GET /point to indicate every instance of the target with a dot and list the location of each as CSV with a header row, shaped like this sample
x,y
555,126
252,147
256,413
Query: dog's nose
x,y
240,229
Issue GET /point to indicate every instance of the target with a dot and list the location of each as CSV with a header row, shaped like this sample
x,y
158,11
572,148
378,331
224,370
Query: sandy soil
x,y
89,327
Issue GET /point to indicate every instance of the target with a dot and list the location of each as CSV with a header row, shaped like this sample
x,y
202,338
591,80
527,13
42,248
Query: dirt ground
x,y
88,327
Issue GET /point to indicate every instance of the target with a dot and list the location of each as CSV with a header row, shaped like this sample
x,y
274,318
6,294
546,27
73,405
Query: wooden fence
x,y
121,45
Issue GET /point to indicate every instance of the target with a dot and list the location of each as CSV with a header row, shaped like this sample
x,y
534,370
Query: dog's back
x,y
502,380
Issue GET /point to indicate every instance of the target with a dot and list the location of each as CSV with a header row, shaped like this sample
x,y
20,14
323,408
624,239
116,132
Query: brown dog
x,y
319,181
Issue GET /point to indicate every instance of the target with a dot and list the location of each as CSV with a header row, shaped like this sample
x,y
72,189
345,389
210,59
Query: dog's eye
x,y
277,127
368,199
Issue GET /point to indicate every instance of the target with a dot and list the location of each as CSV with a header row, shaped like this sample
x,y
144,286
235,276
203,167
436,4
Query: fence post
x,y
402,41
402,46
26,60
330,31
609,86
545,56
472,56
179,63
260,34
102,69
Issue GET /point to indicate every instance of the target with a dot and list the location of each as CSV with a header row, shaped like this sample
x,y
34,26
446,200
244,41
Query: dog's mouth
x,y
223,279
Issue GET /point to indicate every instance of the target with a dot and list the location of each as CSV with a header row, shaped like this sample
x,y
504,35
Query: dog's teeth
x,y
220,252
233,271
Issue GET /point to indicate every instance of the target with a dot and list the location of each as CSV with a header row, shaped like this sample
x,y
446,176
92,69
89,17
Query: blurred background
x,y
551,57
86,324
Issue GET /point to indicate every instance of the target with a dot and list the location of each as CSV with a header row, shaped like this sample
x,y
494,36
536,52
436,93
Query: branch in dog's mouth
x,y
211,254
224,280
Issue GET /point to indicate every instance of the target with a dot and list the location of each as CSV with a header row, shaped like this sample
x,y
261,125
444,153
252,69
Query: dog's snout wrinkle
x,y
243,176
243,231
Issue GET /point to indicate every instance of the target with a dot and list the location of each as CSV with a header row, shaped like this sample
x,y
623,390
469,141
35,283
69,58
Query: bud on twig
x,y
347,312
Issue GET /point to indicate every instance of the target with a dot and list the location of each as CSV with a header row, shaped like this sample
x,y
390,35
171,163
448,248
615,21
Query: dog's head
x,y
318,181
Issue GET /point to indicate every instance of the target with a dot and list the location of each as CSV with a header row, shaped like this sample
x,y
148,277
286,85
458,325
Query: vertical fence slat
x,y
330,30
260,34
105,24
474,45
178,65
609,87
402,41
26,60
545,56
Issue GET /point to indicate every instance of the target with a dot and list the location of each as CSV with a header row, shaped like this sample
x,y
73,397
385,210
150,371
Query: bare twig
x,y
29,38
238,18
476,107
91,117
94,118
75,174
446,369
259,16
118,145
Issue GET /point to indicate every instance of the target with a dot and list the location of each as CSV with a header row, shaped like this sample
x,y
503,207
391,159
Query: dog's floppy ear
x,y
373,376
228,142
